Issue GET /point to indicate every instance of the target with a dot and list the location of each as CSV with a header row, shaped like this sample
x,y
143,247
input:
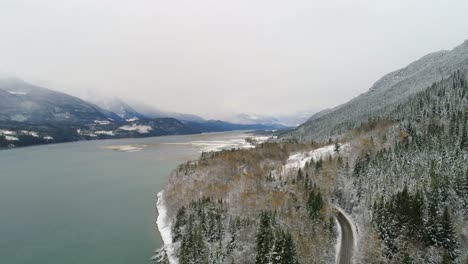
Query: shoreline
x,y
124,138
164,224
165,228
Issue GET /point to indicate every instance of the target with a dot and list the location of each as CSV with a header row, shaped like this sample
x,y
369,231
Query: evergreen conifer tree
x,y
447,234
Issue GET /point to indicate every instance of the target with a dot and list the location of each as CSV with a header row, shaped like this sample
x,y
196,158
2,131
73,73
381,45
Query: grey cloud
x,y
211,56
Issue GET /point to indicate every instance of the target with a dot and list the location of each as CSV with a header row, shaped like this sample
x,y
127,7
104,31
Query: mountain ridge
x,y
390,89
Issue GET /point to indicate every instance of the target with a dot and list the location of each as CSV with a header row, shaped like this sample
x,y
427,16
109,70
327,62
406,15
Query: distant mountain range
x,y
132,110
135,109
117,106
291,120
393,88
32,115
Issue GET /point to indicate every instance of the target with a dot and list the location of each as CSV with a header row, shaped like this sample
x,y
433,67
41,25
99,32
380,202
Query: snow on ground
x,y
105,122
125,148
12,134
7,132
103,132
48,138
11,138
132,119
262,139
90,134
17,93
214,145
218,145
142,129
299,160
165,226
338,240
30,133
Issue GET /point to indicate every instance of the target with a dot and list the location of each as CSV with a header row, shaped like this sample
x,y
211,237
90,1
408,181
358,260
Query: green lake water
x,y
85,203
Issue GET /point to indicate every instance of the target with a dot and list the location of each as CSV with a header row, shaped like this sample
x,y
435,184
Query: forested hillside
x,y
402,175
238,206
410,178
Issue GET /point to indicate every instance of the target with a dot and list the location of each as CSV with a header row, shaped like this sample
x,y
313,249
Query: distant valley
x,y
31,115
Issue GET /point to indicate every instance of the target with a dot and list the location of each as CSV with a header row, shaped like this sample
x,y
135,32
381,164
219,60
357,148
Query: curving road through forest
x,y
347,240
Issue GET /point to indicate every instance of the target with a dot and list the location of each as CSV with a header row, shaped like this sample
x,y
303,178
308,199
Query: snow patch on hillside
x,y
103,132
7,132
100,122
299,160
142,129
132,119
30,133
17,93
85,133
12,135
165,226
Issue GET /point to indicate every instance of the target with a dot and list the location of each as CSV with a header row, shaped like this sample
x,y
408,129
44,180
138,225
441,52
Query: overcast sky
x,y
216,56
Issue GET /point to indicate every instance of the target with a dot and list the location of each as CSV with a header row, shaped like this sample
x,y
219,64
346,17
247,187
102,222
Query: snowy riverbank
x,y
164,226
238,142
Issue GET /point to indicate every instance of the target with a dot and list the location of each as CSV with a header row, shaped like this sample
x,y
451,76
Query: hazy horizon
x,y
212,58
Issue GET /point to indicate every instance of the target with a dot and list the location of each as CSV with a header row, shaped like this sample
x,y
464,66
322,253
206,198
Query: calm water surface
x,y
83,203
